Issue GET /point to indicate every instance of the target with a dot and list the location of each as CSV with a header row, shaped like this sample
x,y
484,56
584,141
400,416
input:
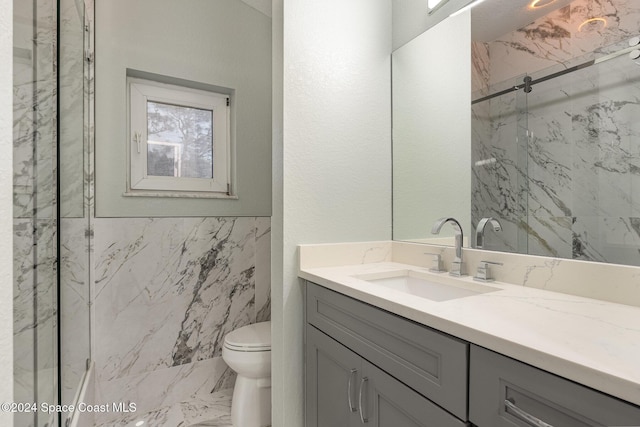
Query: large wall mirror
x,y
528,112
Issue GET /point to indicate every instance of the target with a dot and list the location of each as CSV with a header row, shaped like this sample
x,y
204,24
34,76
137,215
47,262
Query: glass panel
x,y
35,221
162,159
74,223
180,141
499,163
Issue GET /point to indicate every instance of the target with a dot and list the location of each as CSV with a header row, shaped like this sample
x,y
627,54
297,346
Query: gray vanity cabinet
x,y
366,366
343,390
382,368
506,392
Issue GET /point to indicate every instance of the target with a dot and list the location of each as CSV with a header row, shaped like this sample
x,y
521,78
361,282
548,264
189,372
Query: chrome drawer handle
x,y
523,415
362,385
352,373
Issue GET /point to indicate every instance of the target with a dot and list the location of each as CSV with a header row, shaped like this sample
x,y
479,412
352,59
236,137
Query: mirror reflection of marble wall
x,y
560,166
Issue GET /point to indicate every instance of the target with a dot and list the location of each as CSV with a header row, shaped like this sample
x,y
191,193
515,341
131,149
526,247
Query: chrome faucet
x,y
457,268
480,230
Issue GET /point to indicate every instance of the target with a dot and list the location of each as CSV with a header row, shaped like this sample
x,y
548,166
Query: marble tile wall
x,y
572,277
72,117
569,192
166,292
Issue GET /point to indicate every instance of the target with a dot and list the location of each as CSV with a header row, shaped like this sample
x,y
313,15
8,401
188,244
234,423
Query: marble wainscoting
x,y
565,157
34,314
166,292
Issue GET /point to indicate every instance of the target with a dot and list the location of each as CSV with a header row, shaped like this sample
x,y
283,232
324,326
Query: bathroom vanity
x,y
482,355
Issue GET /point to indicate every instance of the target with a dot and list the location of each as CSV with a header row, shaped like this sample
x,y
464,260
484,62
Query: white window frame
x,y
140,92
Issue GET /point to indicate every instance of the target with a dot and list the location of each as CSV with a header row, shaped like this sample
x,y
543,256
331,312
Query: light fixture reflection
x,y
537,4
592,23
139,423
467,7
434,5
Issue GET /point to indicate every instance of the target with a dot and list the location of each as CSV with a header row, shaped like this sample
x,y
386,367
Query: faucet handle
x,y
457,269
483,273
436,263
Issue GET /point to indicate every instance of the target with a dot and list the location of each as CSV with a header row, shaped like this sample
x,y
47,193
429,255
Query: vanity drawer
x,y
430,362
556,401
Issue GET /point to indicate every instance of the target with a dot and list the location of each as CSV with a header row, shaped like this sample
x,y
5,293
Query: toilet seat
x,y
247,349
250,338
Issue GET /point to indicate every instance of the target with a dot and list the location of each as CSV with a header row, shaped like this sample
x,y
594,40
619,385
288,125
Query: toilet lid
x,y
255,337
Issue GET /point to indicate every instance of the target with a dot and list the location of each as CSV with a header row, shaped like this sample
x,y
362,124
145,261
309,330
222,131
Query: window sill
x,y
182,194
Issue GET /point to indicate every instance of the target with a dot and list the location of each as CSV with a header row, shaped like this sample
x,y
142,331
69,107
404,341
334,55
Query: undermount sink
x,y
425,285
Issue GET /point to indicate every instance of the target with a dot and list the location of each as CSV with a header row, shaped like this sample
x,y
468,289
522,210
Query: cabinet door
x,y
332,379
386,402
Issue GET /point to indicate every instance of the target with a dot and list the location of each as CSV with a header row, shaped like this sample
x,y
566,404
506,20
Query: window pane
x,y
161,160
180,141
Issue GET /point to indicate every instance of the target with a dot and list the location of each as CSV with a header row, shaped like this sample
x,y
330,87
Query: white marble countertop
x,y
589,341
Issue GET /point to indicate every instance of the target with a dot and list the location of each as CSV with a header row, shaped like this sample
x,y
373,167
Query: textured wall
x,y
336,155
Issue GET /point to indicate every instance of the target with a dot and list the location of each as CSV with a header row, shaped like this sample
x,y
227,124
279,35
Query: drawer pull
x,y
523,415
362,386
352,373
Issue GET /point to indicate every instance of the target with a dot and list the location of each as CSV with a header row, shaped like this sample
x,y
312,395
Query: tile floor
x,y
210,412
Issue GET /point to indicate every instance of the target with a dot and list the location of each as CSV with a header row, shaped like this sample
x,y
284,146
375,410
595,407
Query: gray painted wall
x,y
222,43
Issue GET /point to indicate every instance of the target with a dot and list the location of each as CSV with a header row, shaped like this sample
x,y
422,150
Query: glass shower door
x,y
499,163
51,206
35,219
584,157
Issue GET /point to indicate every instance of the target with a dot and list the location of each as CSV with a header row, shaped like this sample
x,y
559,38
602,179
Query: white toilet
x,y
247,351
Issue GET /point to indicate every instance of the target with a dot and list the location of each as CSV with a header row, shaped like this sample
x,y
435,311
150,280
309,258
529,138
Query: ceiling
x,y
263,6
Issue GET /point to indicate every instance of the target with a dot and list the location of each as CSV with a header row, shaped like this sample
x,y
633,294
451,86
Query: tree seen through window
x,y
180,141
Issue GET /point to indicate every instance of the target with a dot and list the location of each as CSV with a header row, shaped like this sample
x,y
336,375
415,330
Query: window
x,y
179,139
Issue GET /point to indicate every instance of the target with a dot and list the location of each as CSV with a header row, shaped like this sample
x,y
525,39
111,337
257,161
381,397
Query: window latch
x,y
137,137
